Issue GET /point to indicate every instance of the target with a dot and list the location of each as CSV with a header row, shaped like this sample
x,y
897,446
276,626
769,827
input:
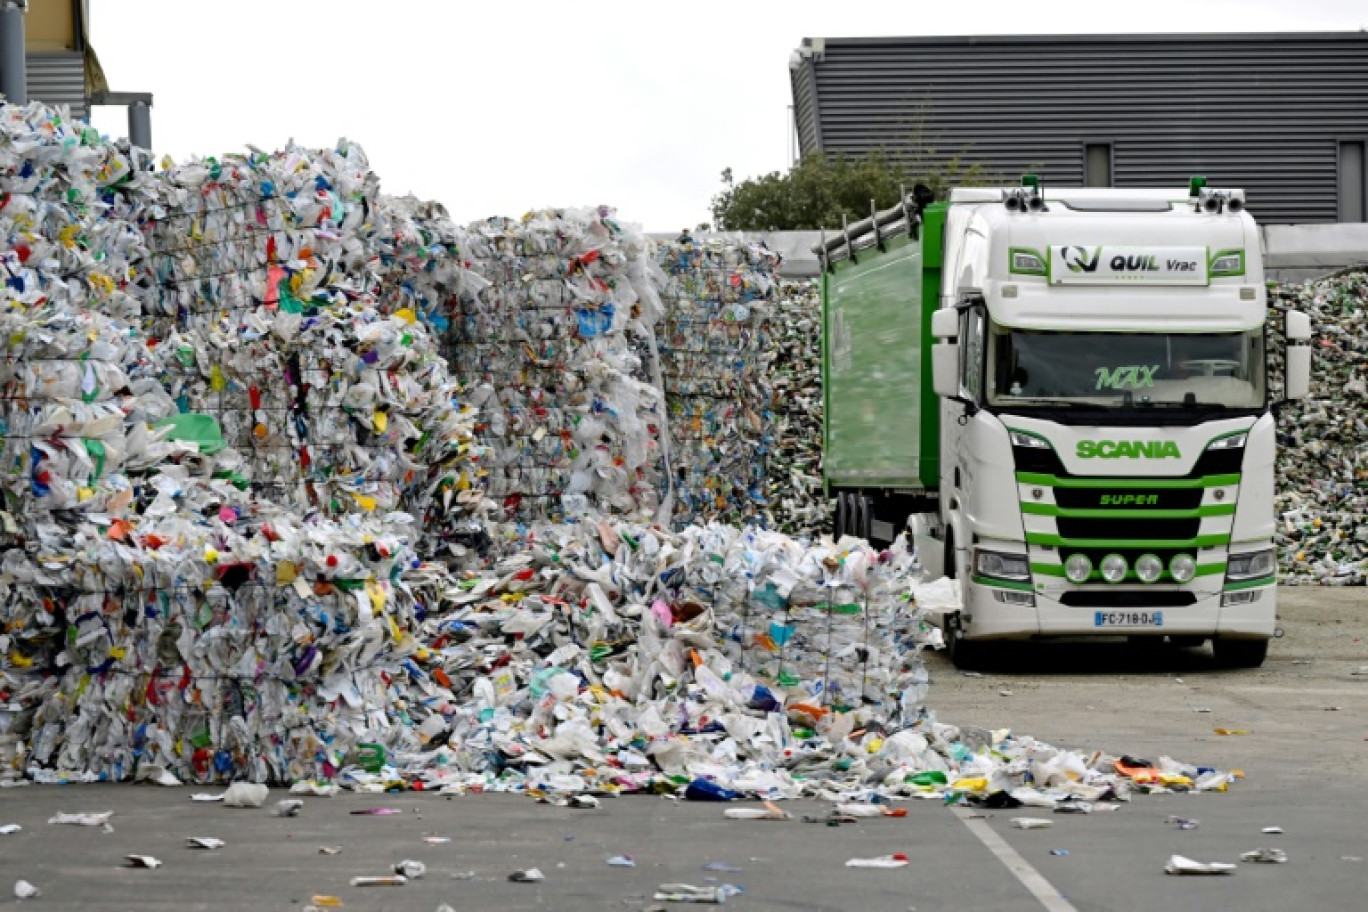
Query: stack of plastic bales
x,y
261,294
557,353
216,451
1322,501
717,343
797,503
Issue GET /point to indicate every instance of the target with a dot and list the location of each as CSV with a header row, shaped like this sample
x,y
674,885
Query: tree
x,y
819,189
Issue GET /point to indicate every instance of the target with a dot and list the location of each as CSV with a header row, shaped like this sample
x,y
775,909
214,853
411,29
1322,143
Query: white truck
x,y
1099,458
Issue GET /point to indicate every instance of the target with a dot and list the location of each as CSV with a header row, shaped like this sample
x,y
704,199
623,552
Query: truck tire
x,y
1239,653
842,513
863,508
966,655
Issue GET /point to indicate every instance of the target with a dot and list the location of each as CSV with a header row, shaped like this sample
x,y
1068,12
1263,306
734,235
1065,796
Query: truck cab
x,y
1104,421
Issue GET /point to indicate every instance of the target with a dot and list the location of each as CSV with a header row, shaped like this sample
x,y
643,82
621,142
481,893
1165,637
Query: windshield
x,y
1028,368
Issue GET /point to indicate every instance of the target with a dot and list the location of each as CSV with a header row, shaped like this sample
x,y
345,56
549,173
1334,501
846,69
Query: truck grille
x,y
1130,598
1128,529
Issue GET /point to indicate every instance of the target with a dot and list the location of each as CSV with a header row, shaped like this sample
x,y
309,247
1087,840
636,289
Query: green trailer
x,y
881,431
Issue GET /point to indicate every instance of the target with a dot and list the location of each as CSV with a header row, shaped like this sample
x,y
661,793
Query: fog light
x,y
1113,568
1248,597
1182,568
1148,568
1008,597
1078,568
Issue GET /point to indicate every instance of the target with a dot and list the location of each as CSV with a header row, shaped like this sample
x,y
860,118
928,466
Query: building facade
x,y
1284,116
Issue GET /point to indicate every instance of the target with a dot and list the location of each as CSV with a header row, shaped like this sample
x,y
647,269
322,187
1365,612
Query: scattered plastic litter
x,y
530,875
410,869
859,810
688,893
289,807
204,842
622,861
1059,852
142,861
89,820
158,775
207,798
1231,731
376,812
393,880
245,795
437,840
1031,823
329,850
882,861
721,867
1183,823
1272,830
323,901
10,829
1177,864
25,890
770,811
1265,856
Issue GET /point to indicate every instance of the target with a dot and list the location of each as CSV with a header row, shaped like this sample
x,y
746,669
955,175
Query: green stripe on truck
x,y
1055,541
1042,509
1051,481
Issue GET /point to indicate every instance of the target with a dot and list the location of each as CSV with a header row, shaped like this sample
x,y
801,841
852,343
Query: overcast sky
x,y
495,108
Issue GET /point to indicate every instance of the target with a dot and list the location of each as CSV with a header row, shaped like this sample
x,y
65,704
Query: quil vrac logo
x,y
1081,259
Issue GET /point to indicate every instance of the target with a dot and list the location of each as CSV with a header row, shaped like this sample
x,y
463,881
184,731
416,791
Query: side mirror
x,y
945,323
1298,360
945,368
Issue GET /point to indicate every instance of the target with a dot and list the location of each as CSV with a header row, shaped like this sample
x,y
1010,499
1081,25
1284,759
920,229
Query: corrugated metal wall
x,y
1262,112
58,77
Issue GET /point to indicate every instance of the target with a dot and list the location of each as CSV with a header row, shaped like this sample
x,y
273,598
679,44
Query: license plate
x,y
1128,619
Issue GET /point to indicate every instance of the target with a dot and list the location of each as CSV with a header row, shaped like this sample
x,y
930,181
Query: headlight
x,y
1027,263
1228,263
1022,439
1078,568
1252,565
1148,568
1182,568
1113,568
1003,566
1229,442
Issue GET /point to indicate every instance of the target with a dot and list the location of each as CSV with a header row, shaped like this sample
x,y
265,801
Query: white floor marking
x,y
1030,878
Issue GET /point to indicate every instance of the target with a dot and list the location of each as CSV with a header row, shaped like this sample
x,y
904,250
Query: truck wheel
x,y
842,513
967,655
862,517
1231,653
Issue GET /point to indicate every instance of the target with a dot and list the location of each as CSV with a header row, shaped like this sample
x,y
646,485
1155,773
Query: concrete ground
x,y
1303,758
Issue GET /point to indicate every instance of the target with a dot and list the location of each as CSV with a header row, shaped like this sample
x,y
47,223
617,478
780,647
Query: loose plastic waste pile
x,y
717,346
1322,500
555,346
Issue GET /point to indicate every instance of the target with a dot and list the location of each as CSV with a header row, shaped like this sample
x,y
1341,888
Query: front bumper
x,y
985,617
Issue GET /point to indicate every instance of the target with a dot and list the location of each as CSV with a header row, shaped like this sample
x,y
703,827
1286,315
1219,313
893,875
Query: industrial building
x,y
1285,116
